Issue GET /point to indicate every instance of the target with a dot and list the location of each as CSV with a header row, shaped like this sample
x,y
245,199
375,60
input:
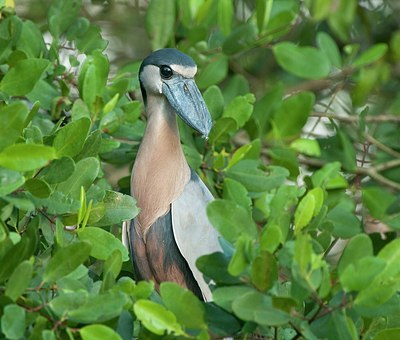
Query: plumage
x,y
172,230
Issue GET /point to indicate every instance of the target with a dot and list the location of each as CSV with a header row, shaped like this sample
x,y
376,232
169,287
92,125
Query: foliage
x,y
303,159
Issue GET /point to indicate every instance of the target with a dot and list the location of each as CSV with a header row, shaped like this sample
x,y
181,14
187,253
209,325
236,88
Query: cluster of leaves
x,y
303,155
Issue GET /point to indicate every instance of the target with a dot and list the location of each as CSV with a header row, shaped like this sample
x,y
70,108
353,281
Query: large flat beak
x,y
185,97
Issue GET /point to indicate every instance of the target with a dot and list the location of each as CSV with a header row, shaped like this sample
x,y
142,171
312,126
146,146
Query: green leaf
x,y
58,170
359,274
85,173
236,192
224,296
10,181
91,40
257,307
214,101
309,147
13,322
12,119
329,177
264,271
13,256
160,22
31,40
263,11
377,200
113,263
293,114
94,332
388,334
156,318
214,72
271,238
342,217
255,180
231,219
242,256
26,157
118,208
100,307
240,109
187,308
238,155
93,78
21,79
57,203
19,280
61,15
215,266
38,188
304,62
371,55
70,139
242,38
304,212
103,243
221,130
225,14
66,260
329,47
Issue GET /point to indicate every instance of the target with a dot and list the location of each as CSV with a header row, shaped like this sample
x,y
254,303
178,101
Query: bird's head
x,y
170,73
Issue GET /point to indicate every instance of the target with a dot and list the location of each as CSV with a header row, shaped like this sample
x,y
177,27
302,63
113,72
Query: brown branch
x,y
383,118
381,146
372,171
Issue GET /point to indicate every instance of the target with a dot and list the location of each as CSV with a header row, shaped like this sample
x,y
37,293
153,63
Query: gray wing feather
x,y
194,234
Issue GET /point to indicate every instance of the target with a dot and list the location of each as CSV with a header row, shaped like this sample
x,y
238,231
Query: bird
x,y
171,230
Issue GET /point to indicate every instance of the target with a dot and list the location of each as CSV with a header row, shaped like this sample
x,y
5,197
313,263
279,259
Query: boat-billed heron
x,y
172,229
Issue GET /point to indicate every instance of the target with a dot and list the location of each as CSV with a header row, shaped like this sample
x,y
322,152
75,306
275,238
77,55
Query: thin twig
x,y
383,118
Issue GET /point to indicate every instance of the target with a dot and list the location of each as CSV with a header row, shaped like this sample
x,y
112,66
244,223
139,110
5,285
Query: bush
x,y
303,159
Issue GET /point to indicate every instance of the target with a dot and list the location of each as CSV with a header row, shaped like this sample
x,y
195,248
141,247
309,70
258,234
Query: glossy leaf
x,y
70,139
22,78
13,321
10,180
38,187
240,109
372,54
264,271
100,307
118,208
156,318
304,62
214,101
66,260
213,73
186,307
26,157
160,21
254,179
19,280
230,219
86,170
329,47
257,307
93,332
236,192
103,243
293,114
12,119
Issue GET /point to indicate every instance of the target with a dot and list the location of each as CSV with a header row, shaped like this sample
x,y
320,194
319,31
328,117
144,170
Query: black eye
x,y
165,72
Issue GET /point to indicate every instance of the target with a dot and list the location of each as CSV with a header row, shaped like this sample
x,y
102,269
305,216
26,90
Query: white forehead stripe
x,y
185,71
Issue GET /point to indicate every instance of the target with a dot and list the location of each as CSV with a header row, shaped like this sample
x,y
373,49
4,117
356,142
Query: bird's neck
x,y
161,171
